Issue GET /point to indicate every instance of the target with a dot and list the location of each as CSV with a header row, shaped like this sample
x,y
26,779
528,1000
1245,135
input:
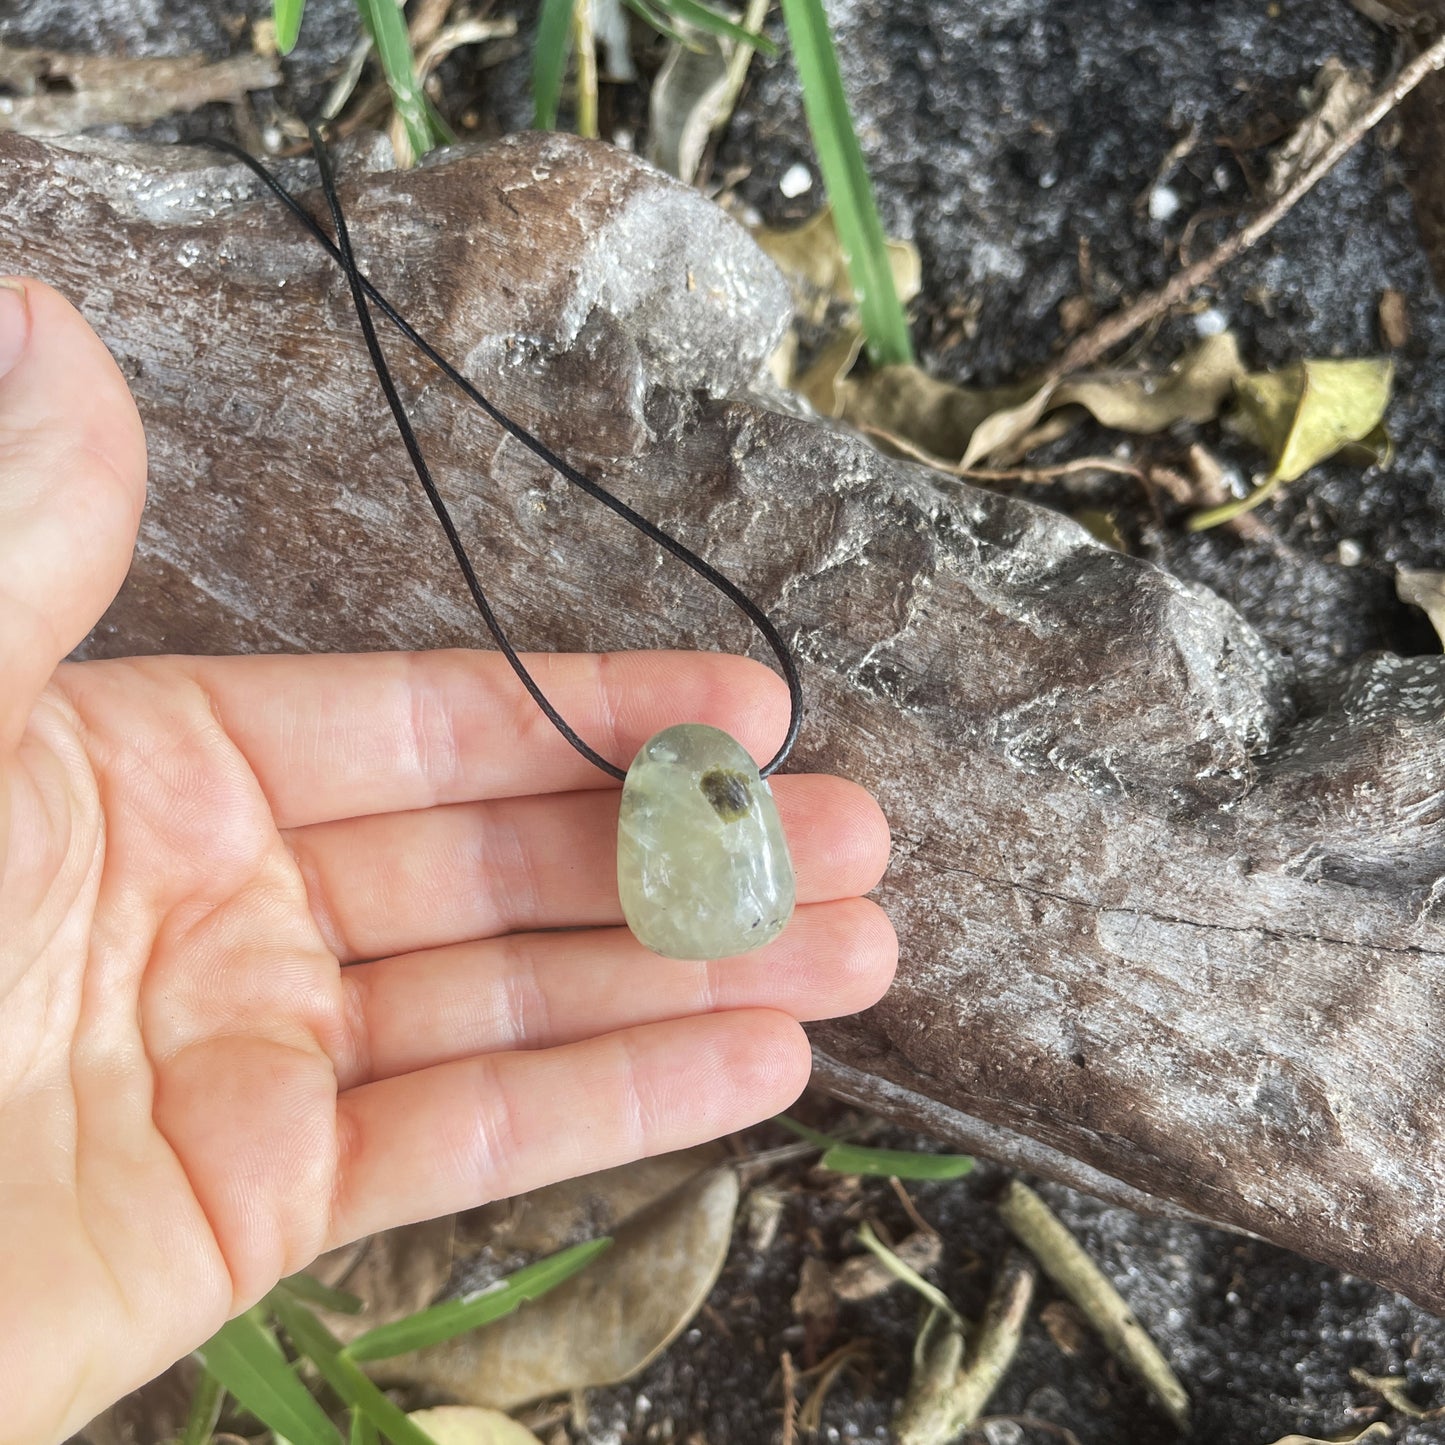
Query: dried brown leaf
x,y
811,257
603,1325
824,384
865,1277
935,416
815,1304
1194,391
471,1425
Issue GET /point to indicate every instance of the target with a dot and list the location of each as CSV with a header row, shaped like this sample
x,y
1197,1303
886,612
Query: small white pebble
x,y
1351,553
1163,203
1048,180
1212,322
1221,177
624,138
797,181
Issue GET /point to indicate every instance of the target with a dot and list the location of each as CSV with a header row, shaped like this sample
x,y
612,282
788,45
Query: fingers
x,y
338,737
72,483
538,990
453,1136
405,881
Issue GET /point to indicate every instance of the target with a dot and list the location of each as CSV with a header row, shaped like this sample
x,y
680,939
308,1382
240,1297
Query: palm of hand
x,y
279,948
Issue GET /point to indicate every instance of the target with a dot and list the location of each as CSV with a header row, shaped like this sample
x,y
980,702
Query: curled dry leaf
x,y
52,92
811,257
865,1276
1335,101
1392,1389
687,100
1378,1431
1305,413
471,1425
1425,590
816,1306
964,426
603,1325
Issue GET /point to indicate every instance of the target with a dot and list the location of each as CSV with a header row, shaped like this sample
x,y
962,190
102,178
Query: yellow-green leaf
x,y
1308,411
1304,414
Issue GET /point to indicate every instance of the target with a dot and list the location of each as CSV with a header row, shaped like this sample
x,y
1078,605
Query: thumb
x,y
72,484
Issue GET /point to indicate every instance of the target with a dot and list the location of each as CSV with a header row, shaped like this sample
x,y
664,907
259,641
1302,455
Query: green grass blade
x,y
386,25
658,21
455,1317
845,1158
244,1356
205,1410
342,1373
363,1432
845,176
286,16
706,18
895,1163
309,1288
549,61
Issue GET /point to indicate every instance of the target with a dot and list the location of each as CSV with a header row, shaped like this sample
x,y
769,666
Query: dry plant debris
x,y
865,1276
1392,1390
811,258
1335,102
602,1326
1063,1259
1378,1431
470,1425
1426,590
1305,413
55,93
953,1381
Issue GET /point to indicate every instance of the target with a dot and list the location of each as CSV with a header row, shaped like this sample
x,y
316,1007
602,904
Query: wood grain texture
x,y
1171,927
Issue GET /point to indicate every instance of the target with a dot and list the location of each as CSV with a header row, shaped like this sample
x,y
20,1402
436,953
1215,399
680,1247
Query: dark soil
x,y
1001,134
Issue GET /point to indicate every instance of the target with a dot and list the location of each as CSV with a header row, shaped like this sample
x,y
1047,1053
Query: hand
x,y
278,959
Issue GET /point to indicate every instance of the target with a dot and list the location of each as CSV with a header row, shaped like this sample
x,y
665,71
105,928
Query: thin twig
x,y
1064,1260
810,1417
911,1209
790,1399
1123,324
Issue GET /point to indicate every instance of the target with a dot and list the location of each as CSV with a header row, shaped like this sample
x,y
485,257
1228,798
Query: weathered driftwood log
x,y
1169,931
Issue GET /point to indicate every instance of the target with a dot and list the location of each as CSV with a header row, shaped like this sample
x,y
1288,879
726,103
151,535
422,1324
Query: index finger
x,y
344,736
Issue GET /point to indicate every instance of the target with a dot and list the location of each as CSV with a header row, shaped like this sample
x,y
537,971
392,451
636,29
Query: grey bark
x,y
1171,927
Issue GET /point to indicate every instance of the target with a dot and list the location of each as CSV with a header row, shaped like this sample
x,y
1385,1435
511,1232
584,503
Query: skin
x,y
274,963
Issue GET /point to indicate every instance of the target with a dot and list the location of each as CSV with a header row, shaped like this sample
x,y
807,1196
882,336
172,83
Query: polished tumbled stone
x,y
702,864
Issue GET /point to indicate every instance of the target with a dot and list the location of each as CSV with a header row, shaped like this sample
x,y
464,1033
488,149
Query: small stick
x,y
1123,324
911,1209
1035,1226
790,1399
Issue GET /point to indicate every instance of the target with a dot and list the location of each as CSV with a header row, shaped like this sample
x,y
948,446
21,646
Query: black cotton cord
x,y
362,289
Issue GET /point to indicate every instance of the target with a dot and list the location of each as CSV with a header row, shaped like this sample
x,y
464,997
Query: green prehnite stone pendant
x,y
702,865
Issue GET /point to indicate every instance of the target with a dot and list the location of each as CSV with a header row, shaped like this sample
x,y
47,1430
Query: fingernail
x,y
14,323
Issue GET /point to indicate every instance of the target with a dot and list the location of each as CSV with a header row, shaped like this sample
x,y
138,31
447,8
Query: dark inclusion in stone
x,y
728,792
